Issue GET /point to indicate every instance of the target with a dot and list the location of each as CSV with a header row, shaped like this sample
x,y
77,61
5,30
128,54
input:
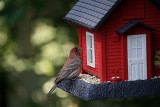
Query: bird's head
x,y
75,51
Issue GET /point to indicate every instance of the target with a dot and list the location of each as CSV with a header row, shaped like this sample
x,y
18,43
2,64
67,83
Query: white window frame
x,y
91,48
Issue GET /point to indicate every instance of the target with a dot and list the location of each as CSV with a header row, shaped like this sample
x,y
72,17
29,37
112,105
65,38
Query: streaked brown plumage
x,y
70,70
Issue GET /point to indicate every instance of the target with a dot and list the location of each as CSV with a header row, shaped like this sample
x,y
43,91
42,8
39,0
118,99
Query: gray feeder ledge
x,y
123,89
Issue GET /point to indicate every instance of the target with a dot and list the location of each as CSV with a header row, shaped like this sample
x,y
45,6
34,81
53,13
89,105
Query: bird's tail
x,y
52,89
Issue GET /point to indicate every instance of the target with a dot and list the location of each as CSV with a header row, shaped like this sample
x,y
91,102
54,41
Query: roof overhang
x,y
156,3
131,24
91,13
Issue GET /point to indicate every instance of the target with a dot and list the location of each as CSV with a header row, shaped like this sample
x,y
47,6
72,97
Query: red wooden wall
x,y
142,10
149,15
86,68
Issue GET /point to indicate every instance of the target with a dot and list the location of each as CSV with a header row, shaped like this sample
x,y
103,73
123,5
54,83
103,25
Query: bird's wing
x,y
68,68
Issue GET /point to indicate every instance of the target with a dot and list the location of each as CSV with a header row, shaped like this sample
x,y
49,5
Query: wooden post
x,y
103,61
149,59
80,45
122,57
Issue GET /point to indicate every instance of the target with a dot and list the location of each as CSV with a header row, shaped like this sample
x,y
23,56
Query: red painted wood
x,y
97,40
80,44
122,57
113,23
102,60
149,57
111,54
132,9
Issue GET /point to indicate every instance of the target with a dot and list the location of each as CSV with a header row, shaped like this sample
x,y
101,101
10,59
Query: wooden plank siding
x,y
113,48
97,43
114,51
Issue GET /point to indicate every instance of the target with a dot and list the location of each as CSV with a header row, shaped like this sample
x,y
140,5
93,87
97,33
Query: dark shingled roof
x,y
132,24
91,13
156,2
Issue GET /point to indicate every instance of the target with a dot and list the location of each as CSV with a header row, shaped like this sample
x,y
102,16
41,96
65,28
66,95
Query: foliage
x,y
157,62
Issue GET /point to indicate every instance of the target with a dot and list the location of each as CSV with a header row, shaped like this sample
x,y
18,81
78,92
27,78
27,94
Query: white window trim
x,y
91,64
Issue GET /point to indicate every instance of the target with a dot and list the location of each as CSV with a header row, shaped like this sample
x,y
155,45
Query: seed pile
x,y
94,80
156,77
89,78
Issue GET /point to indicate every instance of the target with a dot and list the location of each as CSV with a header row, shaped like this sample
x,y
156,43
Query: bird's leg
x,y
71,81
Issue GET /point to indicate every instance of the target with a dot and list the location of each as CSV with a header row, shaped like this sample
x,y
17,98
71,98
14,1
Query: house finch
x,y
70,70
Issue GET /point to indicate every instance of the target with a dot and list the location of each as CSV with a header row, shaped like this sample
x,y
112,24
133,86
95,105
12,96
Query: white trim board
x,y
90,49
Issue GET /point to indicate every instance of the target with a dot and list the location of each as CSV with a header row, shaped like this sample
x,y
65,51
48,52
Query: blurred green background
x,y
34,44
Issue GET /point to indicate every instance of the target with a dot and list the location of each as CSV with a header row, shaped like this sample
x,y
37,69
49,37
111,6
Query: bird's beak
x,y
79,49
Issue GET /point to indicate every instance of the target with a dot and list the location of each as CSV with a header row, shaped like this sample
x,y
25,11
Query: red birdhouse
x,y
119,38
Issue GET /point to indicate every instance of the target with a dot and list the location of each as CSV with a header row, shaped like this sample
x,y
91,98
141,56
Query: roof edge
x,y
107,15
156,3
98,24
78,23
131,24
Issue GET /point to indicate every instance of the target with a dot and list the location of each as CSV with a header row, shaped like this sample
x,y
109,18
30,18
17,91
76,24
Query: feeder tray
x,y
123,89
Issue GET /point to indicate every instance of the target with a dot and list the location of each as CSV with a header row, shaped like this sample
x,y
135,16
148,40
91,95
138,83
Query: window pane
x,y
139,52
134,53
90,41
90,59
139,43
134,42
90,49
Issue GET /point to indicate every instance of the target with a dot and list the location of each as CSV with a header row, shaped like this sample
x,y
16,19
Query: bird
x,y
71,68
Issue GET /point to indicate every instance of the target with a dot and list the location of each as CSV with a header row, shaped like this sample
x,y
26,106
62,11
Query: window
x,y
90,49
